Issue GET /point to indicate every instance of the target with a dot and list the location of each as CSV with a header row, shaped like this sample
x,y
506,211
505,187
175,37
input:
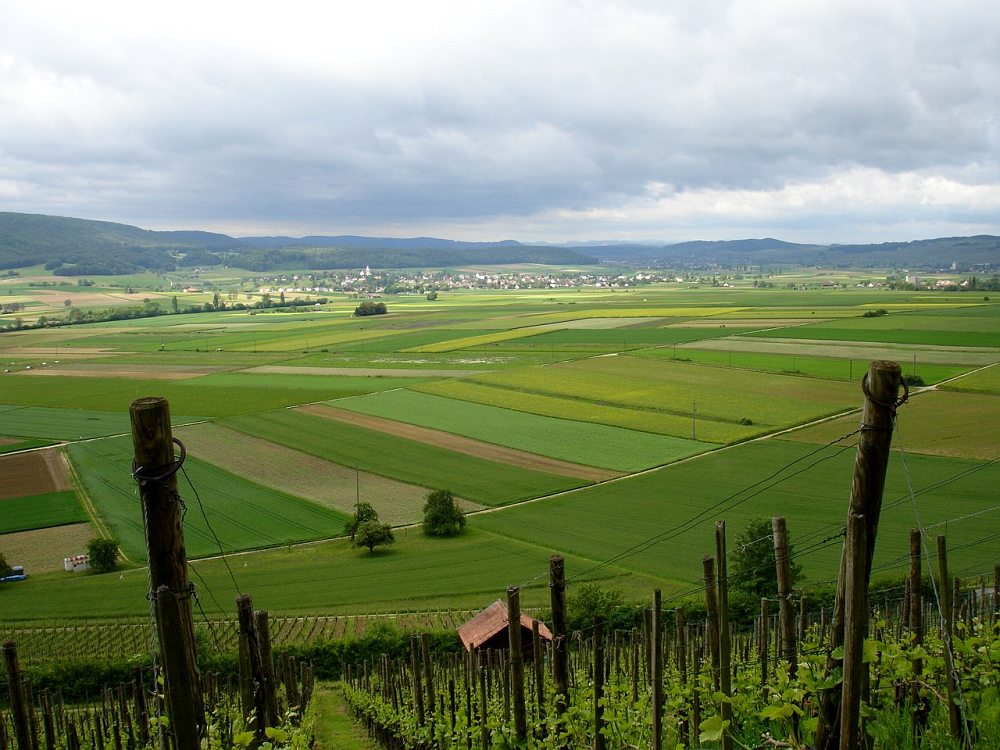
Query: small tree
x,y
442,517
363,512
103,554
5,569
372,534
752,569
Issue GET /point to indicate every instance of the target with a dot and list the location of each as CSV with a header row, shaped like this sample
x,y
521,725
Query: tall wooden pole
x,y
947,617
783,565
725,670
916,627
855,610
155,471
599,739
516,664
656,656
183,722
712,616
19,707
560,665
881,390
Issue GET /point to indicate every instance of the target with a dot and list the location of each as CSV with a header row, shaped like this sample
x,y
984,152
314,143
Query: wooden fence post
x,y
712,616
539,667
725,670
783,565
181,710
921,708
252,681
267,667
881,389
656,669
18,706
560,665
599,743
418,690
947,618
155,470
855,604
516,664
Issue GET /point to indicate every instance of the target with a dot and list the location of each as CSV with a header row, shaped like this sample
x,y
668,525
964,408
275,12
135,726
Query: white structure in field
x,y
76,563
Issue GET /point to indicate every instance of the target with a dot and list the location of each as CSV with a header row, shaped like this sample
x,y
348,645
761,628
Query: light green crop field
x,y
831,368
476,479
11,444
568,440
40,511
939,423
241,514
658,396
986,380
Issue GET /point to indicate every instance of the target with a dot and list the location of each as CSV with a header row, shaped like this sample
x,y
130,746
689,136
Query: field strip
x,y
323,482
33,473
928,354
363,372
76,352
125,371
459,444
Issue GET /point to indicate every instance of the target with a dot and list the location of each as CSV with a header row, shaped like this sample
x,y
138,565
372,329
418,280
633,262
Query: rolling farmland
x,y
479,392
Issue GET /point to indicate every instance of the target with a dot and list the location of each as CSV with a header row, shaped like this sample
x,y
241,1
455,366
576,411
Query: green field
x,y
241,514
666,397
568,440
21,444
60,424
986,380
487,482
40,511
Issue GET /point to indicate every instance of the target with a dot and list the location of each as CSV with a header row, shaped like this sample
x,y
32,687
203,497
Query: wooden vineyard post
x,y
155,470
183,720
783,567
418,691
267,667
656,653
725,671
881,389
252,681
682,648
763,640
921,709
947,623
560,665
425,651
516,664
712,616
539,667
18,706
599,743
855,605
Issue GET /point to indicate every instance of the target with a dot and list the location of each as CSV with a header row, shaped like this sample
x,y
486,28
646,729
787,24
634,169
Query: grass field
x,y
40,511
580,442
43,550
984,381
10,444
241,514
665,397
476,479
937,423
328,484
60,424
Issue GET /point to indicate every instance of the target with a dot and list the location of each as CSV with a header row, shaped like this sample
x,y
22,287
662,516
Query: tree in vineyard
x,y
752,571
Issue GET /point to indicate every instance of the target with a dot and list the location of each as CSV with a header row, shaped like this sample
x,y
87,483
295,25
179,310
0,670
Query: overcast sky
x,y
808,120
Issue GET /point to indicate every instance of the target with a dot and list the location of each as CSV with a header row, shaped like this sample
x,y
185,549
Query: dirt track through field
x,y
33,473
459,444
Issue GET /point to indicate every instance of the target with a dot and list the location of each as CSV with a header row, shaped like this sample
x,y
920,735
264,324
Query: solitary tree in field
x,y
752,569
372,534
363,512
442,517
103,554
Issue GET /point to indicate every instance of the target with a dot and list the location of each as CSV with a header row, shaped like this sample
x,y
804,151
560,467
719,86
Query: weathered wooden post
x,y
183,719
19,707
855,618
599,743
947,623
516,664
252,681
881,389
656,668
539,667
155,469
418,690
725,669
712,616
783,565
267,666
560,665
921,709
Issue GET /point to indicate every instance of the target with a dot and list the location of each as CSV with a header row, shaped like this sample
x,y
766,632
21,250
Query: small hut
x,y
488,630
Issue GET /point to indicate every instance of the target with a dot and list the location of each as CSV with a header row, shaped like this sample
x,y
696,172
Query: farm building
x,y
488,630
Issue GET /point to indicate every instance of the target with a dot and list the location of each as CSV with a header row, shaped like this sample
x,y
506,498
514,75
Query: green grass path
x,y
335,728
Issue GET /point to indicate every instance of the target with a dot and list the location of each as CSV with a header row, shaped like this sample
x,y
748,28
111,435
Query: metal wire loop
x,y
140,474
890,406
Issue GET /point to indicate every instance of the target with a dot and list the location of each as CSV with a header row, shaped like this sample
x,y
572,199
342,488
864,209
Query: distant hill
x,y
919,254
73,247
70,246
